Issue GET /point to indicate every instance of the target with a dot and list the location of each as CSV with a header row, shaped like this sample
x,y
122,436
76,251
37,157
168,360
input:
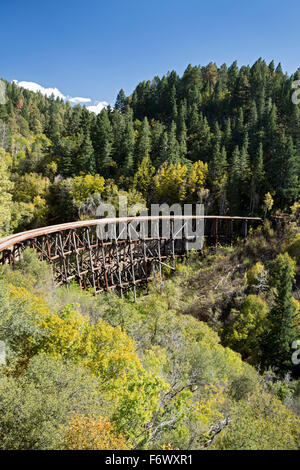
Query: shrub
x,y
87,433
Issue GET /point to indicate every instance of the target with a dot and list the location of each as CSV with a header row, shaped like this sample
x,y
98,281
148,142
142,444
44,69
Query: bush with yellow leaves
x,y
88,433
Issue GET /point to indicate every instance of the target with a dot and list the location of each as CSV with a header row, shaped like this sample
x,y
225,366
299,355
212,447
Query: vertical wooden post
x,y
43,248
77,259
63,258
118,263
216,232
91,259
104,259
132,264
159,255
173,243
145,256
245,229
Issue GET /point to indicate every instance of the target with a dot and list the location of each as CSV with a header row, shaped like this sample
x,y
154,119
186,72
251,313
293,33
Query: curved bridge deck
x,y
121,253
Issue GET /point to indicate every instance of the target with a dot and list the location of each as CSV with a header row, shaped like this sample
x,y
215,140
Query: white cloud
x,y
32,86
79,100
97,108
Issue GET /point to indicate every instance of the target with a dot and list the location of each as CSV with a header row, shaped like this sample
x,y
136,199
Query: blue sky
x,y
93,48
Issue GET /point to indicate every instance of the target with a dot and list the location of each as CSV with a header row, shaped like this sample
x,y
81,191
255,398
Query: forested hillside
x,y
199,363
227,137
204,361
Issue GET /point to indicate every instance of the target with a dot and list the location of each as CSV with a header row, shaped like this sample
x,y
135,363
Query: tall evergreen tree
x,y
121,101
173,146
85,160
102,140
143,144
283,171
128,145
282,319
257,178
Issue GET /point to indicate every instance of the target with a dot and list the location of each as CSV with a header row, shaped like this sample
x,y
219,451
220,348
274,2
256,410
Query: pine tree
x,y
65,148
128,145
253,118
235,180
157,131
85,160
244,160
261,103
6,187
102,140
283,171
173,104
182,129
202,140
271,125
218,175
121,101
282,319
233,72
118,126
108,164
182,115
182,141
239,128
163,149
173,146
193,118
228,134
257,178
143,144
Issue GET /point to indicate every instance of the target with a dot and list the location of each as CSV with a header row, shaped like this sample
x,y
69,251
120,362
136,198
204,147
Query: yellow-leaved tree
x,y
5,196
170,183
196,180
84,186
143,176
88,433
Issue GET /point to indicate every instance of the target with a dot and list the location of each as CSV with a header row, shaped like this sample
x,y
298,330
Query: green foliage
x,y
84,186
248,328
154,373
5,197
72,359
293,249
260,422
283,319
235,120
35,405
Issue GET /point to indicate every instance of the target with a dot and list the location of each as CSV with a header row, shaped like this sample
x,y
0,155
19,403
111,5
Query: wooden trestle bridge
x,y
119,254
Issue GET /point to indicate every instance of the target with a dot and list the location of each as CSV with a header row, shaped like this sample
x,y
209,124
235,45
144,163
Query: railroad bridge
x,y
119,254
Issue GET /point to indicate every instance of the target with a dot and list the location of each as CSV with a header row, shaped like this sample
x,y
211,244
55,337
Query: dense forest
x,y
226,137
204,360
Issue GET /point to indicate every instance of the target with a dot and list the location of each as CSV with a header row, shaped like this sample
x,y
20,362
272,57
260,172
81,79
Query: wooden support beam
x,y
77,259
118,264
245,229
91,259
63,259
132,265
145,257
173,243
231,232
104,260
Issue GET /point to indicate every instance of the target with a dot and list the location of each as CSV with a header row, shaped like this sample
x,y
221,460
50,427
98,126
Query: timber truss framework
x,y
83,252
